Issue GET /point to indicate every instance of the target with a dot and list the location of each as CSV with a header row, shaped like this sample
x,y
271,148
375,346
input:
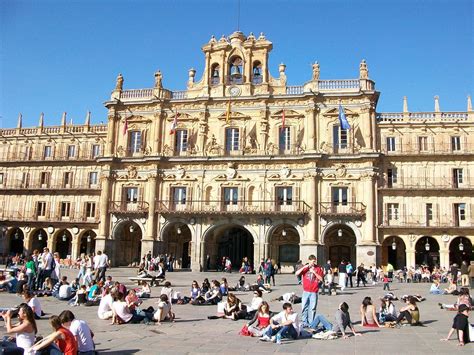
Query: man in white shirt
x,y
81,331
283,325
105,306
101,261
46,267
65,292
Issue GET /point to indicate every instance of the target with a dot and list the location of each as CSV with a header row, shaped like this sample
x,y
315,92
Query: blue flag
x,y
342,118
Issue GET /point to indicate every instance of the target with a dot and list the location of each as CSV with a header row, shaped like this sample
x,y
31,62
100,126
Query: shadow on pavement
x,y
119,352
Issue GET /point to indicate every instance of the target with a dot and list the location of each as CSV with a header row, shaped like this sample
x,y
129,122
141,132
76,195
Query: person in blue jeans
x,y
283,325
320,319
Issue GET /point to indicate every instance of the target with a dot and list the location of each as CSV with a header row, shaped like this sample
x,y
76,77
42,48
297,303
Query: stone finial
x,y
223,39
282,68
469,103
41,120
158,79
363,70
191,75
20,121
261,37
436,102
316,71
119,82
213,39
63,119
405,104
88,119
251,36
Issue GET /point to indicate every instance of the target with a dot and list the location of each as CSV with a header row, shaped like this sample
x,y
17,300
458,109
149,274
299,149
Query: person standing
x,y
470,270
361,275
342,272
47,266
464,274
454,272
102,264
350,273
312,275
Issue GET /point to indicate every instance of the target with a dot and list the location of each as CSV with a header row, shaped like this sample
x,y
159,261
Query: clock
x,y
234,91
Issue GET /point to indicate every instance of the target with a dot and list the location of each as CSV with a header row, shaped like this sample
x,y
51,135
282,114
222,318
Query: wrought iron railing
x,y
128,207
342,208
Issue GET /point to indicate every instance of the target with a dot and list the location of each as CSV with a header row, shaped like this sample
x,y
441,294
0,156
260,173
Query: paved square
x,y
193,333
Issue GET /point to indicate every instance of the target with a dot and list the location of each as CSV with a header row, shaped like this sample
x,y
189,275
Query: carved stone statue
x,y
281,69
158,79
363,71
213,146
119,82
316,71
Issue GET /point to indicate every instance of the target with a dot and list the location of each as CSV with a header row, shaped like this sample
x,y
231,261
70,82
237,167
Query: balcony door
x,y
284,198
339,199
131,198
179,198
231,196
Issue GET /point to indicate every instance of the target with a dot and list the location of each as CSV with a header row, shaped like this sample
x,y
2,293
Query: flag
x,y
342,118
283,118
174,124
125,126
227,117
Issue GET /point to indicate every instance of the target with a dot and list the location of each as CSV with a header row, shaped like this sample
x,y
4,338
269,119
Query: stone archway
x,y
63,245
427,252
284,247
87,243
39,240
460,249
394,252
340,245
128,243
177,238
17,241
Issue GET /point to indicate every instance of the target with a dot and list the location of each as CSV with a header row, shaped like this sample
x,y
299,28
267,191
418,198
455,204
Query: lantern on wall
x,y
427,245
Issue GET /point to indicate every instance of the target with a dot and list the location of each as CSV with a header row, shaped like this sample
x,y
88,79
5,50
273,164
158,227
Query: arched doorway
x,y
460,249
284,247
234,242
393,252
64,244
178,244
128,245
340,245
427,252
16,241
40,240
87,244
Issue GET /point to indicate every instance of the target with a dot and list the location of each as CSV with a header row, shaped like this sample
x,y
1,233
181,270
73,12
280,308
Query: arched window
x,y
257,76
236,70
215,74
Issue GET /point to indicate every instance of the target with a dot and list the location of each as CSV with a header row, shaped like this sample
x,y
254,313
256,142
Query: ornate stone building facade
x,y
241,164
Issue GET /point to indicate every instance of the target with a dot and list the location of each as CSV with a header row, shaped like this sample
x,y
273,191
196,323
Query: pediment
x,y
288,114
173,177
234,116
335,112
182,116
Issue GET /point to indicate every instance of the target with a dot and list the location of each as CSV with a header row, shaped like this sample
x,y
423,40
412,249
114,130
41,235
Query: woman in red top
x,y
62,337
262,317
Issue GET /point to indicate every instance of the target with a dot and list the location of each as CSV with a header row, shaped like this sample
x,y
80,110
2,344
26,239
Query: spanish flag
x,y
227,118
174,124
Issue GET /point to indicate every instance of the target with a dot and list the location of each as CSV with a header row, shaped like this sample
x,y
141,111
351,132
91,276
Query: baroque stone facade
x,y
241,164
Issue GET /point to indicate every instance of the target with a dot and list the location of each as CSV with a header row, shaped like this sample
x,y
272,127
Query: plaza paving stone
x,y
193,333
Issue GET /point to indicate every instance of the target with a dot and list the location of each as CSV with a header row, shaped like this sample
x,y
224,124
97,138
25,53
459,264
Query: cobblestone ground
x,y
193,333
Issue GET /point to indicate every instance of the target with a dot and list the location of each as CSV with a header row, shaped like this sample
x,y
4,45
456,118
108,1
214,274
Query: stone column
x,y
104,215
410,256
75,245
310,119
369,235
443,257
111,127
150,226
155,133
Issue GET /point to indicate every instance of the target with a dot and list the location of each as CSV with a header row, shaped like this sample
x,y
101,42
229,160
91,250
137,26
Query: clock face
x,y
234,91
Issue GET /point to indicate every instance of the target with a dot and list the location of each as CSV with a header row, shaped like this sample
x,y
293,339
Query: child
x,y
460,325
386,285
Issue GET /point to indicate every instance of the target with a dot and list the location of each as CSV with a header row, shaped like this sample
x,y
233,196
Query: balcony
x,y
57,185
47,217
342,210
422,183
39,156
420,221
418,117
428,149
221,207
138,207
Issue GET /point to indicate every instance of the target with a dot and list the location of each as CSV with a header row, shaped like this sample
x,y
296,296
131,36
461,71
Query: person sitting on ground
x,y
241,285
342,320
108,281
167,290
260,321
234,309
22,283
387,312
80,297
367,313
163,313
25,330
122,314
452,288
160,271
65,292
213,296
61,337
461,326
105,306
434,289
255,302
33,302
195,291
10,283
410,313
81,331
418,298
289,297
283,325
144,291
120,287
205,287
261,285
57,286
132,300
463,298
224,287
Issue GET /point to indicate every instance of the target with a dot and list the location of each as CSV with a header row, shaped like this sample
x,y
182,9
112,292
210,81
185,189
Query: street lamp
x,y
461,245
89,238
17,235
178,229
131,228
3,230
40,236
64,237
283,233
394,244
339,233
427,245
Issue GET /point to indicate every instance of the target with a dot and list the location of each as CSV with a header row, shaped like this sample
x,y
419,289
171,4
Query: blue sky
x,y
65,55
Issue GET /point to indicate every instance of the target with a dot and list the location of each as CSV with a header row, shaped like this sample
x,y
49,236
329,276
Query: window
x,y
44,179
423,144
391,144
95,150
40,209
391,177
231,139
71,151
455,143
460,212
429,213
131,194
457,178
67,179
393,209
135,142
1,178
47,153
65,209
230,195
284,141
179,195
25,180
93,178
181,143
339,196
90,209
284,195
339,138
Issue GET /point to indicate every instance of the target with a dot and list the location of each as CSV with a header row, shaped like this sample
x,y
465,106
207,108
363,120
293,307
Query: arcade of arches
x,y
340,245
